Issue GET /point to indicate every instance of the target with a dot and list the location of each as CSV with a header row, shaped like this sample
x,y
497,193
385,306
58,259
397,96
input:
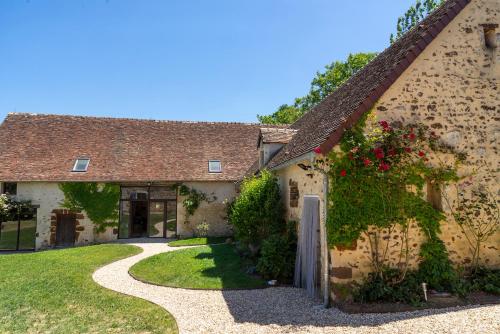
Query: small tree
x,y
257,212
478,215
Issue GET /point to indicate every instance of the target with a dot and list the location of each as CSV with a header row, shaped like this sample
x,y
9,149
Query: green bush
x,y
277,257
376,289
436,269
484,279
257,212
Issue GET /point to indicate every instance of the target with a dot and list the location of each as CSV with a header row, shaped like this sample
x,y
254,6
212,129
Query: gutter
x,y
306,156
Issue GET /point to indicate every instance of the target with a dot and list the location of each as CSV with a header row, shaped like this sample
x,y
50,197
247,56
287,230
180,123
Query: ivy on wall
x,y
99,201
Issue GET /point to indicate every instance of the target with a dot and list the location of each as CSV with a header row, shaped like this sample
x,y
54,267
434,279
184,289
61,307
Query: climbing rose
x,y
408,149
367,162
379,153
317,150
412,136
343,172
383,167
384,125
421,154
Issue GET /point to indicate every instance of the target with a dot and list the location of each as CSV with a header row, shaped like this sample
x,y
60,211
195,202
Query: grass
x,y
197,241
53,292
206,267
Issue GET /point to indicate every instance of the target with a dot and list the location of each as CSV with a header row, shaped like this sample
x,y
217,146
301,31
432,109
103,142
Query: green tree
x,y
323,84
257,212
413,16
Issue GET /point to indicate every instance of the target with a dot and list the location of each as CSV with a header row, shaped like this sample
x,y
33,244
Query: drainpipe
x,y
324,240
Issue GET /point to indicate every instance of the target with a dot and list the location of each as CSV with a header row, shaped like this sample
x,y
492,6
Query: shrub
x,y
375,288
484,279
257,212
277,258
202,229
436,269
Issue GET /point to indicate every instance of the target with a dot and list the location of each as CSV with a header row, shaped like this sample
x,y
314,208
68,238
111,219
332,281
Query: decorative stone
x,y
451,139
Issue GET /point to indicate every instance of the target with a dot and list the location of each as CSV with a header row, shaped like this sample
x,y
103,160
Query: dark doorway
x,y
138,219
65,230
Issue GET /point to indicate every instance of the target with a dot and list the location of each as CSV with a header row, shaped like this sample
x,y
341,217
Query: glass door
x,y
157,219
19,231
171,226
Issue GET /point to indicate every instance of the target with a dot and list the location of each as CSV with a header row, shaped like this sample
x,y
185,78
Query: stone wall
x,y
213,212
453,88
49,197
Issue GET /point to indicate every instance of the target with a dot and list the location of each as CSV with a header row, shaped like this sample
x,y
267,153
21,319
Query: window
x,y
10,188
434,196
490,35
81,165
214,166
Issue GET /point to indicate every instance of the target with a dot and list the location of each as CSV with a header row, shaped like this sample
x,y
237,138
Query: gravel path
x,y
281,310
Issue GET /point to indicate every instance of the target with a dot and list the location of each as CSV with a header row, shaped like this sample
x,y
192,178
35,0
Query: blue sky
x,y
180,60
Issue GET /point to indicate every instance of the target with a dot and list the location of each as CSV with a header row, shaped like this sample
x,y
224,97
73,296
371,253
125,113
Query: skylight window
x,y
81,165
214,166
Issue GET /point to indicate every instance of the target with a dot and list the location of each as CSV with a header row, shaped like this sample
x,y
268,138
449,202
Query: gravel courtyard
x,y
281,310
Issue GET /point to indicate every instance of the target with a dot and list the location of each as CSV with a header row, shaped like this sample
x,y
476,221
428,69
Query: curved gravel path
x,y
281,310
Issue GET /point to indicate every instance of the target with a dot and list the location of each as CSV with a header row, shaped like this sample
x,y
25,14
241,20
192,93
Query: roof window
x,y
81,165
214,166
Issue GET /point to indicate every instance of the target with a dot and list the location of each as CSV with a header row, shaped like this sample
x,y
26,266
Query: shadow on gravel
x,y
291,306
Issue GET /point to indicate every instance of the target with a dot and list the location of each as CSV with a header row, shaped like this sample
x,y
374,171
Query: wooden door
x,y
65,230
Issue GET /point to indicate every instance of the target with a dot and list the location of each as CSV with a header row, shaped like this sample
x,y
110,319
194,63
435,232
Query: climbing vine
x,y
377,179
99,201
193,199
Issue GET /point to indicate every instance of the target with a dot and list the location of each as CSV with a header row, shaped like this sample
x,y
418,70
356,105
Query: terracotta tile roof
x,y
44,148
276,135
324,124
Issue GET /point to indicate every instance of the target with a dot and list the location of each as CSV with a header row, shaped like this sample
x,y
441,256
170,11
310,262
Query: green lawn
x,y
205,267
197,241
53,292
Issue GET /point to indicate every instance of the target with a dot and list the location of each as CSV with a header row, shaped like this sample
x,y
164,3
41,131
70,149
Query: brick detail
x,y
342,272
294,193
79,227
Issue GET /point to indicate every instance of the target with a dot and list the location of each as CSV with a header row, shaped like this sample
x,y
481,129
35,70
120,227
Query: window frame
x,y
4,190
215,171
76,163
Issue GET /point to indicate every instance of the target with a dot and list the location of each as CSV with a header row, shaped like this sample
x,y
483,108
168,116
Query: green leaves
x,y
322,85
99,201
258,211
413,16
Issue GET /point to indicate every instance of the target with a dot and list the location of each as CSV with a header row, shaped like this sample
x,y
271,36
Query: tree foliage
x,y
99,201
413,16
323,84
257,212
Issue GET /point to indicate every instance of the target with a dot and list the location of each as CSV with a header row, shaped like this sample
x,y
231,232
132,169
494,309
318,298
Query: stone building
x,y
147,159
445,74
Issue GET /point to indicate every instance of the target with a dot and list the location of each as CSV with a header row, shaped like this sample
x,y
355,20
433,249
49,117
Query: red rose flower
x,y
391,152
408,149
343,172
317,150
412,136
379,153
421,154
384,124
383,167
367,162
